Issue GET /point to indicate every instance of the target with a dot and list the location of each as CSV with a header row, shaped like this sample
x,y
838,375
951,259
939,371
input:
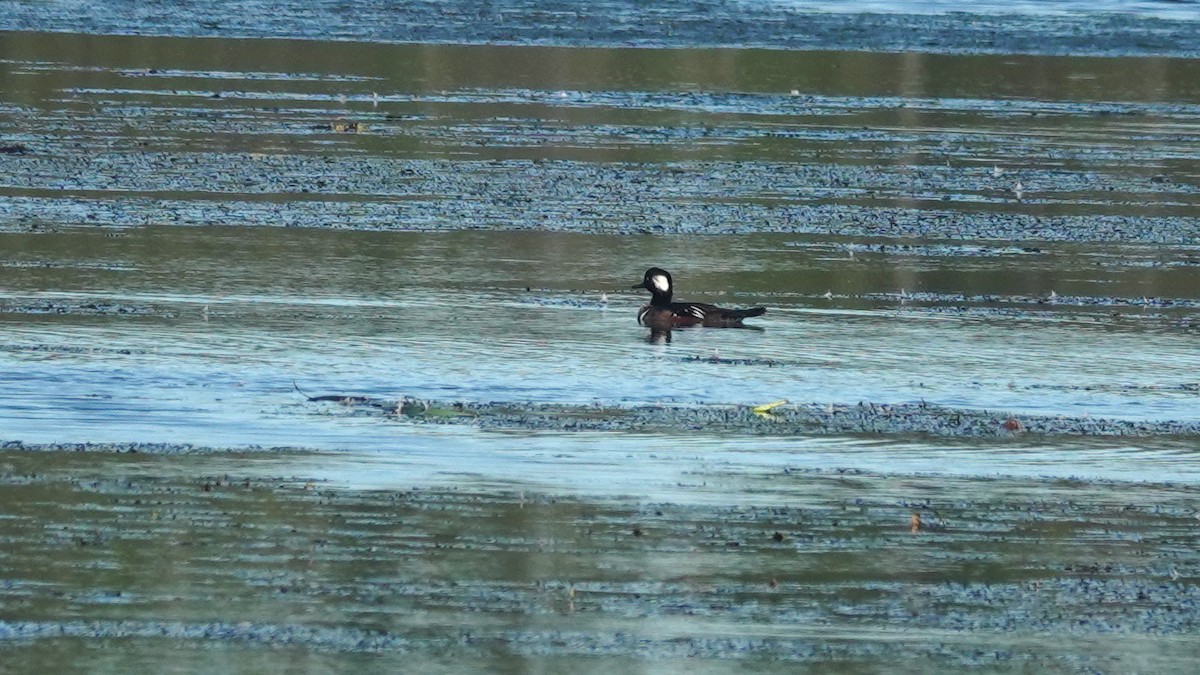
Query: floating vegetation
x,y
775,418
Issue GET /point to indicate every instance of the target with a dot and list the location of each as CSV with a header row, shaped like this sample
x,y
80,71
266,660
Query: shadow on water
x,y
662,336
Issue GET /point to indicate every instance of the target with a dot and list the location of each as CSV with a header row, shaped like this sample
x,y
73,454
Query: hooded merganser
x,y
662,314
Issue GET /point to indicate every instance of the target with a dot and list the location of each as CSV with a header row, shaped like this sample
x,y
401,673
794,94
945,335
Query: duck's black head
x,y
658,282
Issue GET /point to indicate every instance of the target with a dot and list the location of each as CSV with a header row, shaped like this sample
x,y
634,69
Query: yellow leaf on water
x,y
768,407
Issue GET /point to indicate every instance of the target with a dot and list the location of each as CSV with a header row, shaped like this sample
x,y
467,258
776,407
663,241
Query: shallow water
x,y
254,566
198,334
190,229
877,218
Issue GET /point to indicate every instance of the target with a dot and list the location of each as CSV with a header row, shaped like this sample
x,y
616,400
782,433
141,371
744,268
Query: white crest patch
x,y
660,282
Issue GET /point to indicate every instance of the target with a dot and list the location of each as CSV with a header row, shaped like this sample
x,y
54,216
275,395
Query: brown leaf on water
x,y
345,127
915,523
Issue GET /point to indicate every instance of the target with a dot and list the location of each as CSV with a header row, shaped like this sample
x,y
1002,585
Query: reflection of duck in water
x,y
663,315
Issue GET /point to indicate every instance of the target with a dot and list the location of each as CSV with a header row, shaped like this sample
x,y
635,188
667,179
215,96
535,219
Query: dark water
x,y
142,131
1108,27
191,227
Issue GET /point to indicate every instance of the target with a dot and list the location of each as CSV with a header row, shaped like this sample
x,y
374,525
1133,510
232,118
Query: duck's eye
x,y
660,282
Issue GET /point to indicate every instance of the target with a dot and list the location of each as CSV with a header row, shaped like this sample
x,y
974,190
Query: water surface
x,y
191,228
463,223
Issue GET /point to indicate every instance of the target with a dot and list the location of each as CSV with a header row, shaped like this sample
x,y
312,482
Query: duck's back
x,y
682,314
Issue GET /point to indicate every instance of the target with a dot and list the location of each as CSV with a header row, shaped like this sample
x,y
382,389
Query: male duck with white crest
x,y
663,314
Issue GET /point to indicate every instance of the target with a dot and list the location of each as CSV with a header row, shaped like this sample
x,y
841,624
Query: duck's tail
x,y
745,313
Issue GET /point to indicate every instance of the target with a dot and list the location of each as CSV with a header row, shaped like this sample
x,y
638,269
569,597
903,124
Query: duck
x,y
663,314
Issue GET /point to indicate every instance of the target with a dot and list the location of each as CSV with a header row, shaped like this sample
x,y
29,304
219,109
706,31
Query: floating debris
x,y
348,127
775,418
767,407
